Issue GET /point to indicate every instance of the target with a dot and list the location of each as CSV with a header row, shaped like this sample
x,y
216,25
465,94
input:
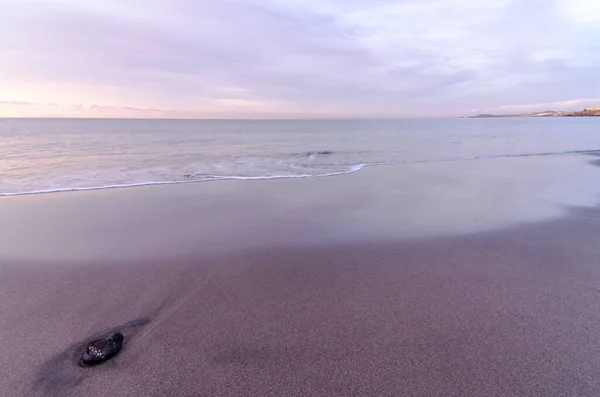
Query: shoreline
x,y
422,279
354,169
378,204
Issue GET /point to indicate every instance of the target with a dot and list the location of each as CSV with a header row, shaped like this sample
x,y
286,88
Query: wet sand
x,y
506,311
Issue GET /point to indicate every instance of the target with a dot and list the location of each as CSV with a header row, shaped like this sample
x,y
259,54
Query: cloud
x,y
16,103
32,109
403,57
582,11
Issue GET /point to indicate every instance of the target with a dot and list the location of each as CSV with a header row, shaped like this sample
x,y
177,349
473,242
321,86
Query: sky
x,y
296,58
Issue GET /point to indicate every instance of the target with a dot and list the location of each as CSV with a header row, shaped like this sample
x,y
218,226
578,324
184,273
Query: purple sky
x,y
294,58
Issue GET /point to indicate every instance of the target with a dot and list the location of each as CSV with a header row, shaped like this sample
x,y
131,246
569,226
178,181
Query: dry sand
x,y
507,312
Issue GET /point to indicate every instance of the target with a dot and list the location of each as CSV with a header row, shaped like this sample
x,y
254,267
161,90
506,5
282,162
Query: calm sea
x,y
47,155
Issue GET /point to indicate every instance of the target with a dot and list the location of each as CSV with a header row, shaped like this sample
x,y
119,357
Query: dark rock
x,y
100,350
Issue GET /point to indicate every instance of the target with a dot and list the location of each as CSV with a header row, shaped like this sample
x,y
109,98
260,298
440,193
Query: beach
x,y
282,198
457,278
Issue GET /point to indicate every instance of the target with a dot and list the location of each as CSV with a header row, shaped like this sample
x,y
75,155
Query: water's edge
x,y
351,169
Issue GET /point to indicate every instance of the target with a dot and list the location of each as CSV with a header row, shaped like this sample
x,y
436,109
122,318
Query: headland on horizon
x,y
591,111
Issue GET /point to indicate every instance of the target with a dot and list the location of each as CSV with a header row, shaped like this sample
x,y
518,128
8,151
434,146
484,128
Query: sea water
x,y
51,155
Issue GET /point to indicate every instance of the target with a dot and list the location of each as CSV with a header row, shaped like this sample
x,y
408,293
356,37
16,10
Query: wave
x,y
354,168
349,170
491,156
313,155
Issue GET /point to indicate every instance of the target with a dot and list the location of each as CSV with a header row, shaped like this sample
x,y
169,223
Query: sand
x,y
510,310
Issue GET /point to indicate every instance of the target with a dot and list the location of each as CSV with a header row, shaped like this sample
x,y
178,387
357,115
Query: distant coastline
x,y
593,111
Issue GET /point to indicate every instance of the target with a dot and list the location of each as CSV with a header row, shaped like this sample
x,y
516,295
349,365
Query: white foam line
x,y
81,189
487,157
354,168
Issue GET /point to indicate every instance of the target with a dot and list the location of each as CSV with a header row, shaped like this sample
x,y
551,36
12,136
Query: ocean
x,y
52,155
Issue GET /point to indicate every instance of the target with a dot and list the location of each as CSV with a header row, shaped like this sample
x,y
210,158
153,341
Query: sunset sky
x,y
296,58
